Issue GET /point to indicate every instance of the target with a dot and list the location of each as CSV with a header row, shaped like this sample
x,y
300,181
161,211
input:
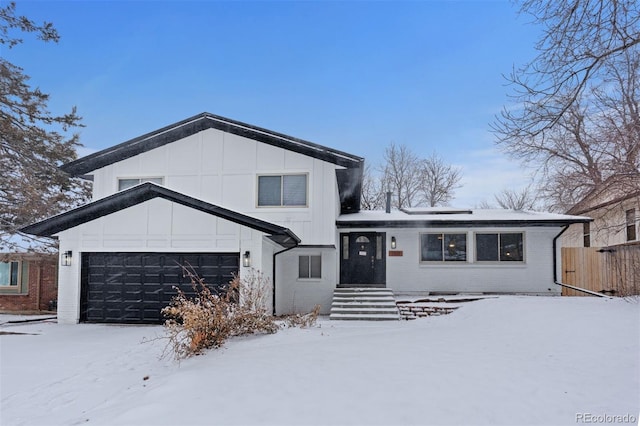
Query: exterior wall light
x,y
65,258
393,243
246,259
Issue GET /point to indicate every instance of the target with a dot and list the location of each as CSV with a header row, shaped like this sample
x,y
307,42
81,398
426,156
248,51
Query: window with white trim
x,y
9,274
282,190
310,266
126,183
500,247
443,247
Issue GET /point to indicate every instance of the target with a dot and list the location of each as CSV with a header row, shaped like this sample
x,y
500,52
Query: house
x,y
28,282
604,255
224,197
615,209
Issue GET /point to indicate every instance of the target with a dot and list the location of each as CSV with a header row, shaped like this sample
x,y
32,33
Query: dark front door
x,y
362,258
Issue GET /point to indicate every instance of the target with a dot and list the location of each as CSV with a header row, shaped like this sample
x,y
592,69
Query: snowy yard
x,y
508,360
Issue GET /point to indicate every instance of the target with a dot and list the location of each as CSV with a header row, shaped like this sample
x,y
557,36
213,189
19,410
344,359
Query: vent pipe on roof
x,y
388,206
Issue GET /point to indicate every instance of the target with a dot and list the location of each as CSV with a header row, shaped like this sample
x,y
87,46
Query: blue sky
x,y
353,75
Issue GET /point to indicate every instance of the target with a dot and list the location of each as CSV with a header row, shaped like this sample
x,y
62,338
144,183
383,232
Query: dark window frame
x,y
502,255
586,234
452,253
631,228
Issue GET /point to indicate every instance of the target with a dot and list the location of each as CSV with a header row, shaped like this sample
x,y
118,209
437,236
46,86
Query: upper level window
x,y
443,247
9,272
130,182
631,225
282,190
586,234
500,247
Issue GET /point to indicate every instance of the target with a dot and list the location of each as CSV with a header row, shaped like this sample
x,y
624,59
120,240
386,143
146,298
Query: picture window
x,y
500,247
443,247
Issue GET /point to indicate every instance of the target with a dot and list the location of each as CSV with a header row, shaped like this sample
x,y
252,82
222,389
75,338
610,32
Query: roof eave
x,y
145,192
197,124
458,224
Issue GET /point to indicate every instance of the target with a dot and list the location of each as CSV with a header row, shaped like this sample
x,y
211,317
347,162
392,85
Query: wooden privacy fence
x,y
609,270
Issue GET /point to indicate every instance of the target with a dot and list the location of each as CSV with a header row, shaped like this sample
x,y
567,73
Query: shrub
x,y
303,320
208,319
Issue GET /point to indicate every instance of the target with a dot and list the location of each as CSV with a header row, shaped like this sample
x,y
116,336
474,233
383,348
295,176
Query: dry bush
x,y
302,320
207,320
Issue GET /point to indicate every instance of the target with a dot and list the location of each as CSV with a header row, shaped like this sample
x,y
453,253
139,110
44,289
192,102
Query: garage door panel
x,y
134,287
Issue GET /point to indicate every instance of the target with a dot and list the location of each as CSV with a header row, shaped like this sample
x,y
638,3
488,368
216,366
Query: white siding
x,y
295,295
156,225
407,275
222,169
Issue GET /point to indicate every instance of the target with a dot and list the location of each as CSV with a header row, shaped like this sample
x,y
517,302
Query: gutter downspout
x,y
555,268
274,275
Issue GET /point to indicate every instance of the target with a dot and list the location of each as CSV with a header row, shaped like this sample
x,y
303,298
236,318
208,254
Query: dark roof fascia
x,y
196,124
455,224
350,188
147,191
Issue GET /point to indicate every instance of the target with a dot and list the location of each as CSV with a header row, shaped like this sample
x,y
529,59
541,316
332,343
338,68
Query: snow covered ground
x,y
507,360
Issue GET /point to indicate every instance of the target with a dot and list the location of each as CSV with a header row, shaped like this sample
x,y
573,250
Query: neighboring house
x,y
223,197
615,209
604,255
28,282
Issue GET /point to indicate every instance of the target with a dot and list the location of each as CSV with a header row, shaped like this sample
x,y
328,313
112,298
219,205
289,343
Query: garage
x,y
133,288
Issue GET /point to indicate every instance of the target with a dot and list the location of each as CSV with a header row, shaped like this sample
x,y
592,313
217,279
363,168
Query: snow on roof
x,y
463,216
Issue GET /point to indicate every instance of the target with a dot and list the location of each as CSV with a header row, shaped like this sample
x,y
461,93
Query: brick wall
x,y
38,290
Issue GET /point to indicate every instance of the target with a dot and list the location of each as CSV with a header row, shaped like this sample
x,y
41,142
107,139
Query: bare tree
x,y
580,38
438,181
373,191
524,199
596,137
33,143
401,175
412,181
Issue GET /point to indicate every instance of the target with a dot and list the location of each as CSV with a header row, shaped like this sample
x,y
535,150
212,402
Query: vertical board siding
x,y
612,270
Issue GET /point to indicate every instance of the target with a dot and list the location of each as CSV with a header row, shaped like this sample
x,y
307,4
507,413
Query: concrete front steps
x,y
364,304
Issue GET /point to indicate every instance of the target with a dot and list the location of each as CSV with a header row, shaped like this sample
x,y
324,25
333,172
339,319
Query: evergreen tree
x,y
33,144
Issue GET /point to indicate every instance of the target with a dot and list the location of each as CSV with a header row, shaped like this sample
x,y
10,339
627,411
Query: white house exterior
x,y
214,193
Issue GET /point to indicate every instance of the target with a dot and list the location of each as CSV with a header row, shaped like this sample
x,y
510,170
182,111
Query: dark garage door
x,y
134,287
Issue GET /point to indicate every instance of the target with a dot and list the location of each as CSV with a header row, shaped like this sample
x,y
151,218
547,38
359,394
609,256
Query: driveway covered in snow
x,y
507,360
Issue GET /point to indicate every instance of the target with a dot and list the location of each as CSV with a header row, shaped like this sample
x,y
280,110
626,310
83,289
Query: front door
x,y
362,258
